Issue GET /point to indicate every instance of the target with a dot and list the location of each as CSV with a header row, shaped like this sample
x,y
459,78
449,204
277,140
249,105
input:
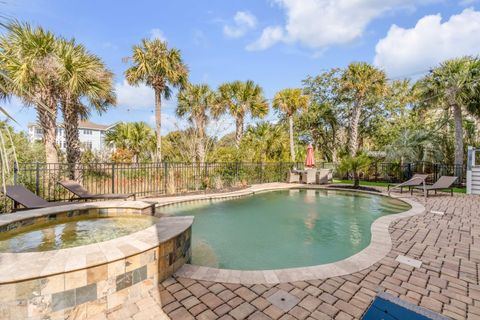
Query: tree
x,y
194,103
454,87
265,142
412,145
136,137
160,68
322,122
240,99
354,165
361,85
290,101
29,61
85,84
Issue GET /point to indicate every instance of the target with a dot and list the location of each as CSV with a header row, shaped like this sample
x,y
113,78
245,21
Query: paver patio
x,y
447,282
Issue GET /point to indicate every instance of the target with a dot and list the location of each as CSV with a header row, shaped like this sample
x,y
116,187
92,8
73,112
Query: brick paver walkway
x,y
447,282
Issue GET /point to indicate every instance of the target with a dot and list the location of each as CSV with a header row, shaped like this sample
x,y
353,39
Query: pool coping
x,y
15,267
380,244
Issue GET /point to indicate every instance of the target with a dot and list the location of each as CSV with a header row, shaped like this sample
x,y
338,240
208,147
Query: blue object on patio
x,y
388,307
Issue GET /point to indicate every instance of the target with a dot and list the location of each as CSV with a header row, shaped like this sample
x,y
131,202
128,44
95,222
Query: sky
x,y
276,43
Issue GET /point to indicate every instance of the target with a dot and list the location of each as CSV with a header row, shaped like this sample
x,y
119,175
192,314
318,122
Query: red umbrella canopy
x,y
310,160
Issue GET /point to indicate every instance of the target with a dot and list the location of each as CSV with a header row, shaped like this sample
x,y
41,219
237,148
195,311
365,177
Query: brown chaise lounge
x,y
83,194
415,181
445,183
29,200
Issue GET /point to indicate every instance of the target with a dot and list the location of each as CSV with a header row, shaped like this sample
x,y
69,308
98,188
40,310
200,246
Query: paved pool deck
x,y
445,238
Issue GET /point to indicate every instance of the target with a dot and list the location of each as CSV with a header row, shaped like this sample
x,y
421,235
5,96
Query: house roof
x,y
85,125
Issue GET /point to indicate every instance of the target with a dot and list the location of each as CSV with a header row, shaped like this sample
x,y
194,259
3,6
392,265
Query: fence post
x,y
15,172
113,177
37,178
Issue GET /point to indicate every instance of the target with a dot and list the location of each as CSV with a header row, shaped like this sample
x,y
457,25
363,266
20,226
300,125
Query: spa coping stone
x,y
380,244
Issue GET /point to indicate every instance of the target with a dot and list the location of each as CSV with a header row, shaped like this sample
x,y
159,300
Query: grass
x,y
385,184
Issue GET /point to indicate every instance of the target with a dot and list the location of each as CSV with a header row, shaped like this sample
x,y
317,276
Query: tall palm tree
x,y
160,68
240,99
360,85
454,85
29,61
85,84
194,102
136,137
290,101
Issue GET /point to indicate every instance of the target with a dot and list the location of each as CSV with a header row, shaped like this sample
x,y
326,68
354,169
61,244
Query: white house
x,y
92,135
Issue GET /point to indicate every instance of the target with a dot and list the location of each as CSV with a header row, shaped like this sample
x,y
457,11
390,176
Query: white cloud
x,y
429,42
134,97
269,37
243,22
321,23
156,33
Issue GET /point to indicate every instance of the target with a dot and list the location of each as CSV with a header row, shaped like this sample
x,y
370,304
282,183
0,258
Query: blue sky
x,y
276,43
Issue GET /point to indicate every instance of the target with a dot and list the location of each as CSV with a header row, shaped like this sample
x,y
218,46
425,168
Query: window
x,y
88,145
87,131
38,131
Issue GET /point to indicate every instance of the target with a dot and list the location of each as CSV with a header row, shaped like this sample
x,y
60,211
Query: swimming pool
x,y
282,229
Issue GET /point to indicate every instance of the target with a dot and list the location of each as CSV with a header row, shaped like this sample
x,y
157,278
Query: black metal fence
x,y
155,179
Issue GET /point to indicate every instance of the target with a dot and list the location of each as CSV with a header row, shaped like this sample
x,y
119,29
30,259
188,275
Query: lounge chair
x,y
29,200
445,184
293,177
309,176
83,194
415,181
324,176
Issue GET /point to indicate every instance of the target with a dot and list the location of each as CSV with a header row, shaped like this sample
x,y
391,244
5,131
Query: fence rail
x,y
162,178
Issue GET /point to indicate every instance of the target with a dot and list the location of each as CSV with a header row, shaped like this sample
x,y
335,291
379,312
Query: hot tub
x,y
82,260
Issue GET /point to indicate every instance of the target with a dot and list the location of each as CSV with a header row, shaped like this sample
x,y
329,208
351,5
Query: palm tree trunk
x,y
353,143
290,133
201,143
158,122
48,124
238,131
356,179
457,114
70,120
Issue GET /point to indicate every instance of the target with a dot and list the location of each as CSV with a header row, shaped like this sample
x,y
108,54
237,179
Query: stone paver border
x,y
380,245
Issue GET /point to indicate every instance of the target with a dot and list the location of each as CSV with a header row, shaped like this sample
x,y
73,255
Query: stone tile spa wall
x,y
97,288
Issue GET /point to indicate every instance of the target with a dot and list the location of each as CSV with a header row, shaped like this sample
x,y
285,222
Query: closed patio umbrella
x,y
310,160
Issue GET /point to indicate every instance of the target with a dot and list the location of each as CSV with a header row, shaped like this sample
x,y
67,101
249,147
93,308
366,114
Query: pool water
x,y
71,232
283,229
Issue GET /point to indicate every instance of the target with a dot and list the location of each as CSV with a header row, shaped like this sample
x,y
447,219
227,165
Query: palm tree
x,y
29,61
265,142
158,67
290,101
360,85
240,99
454,85
194,102
136,137
354,165
85,84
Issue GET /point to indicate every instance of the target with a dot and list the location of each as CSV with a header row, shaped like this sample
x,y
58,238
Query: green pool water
x,y
283,229
71,232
